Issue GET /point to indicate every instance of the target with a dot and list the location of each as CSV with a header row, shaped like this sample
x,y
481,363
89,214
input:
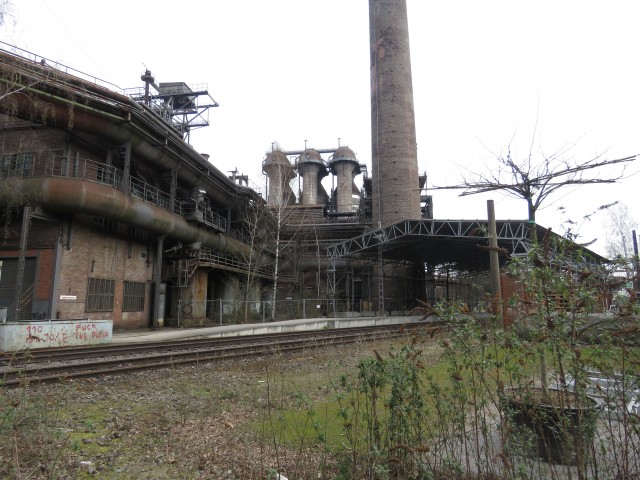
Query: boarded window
x,y
100,295
133,296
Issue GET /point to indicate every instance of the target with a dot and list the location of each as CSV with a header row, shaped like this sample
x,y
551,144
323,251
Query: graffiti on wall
x,y
25,335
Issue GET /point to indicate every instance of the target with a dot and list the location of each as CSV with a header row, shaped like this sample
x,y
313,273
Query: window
x,y
104,175
20,164
5,162
26,164
100,295
133,296
8,164
105,224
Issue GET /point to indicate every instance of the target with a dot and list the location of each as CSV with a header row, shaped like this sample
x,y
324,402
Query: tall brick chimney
x,y
393,132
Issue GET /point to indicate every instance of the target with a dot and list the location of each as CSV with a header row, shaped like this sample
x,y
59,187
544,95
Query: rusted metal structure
x,y
101,165
109,211
312,168
345,167
176,102
396,252
280,172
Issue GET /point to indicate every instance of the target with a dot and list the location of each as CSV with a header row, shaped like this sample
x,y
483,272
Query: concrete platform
x,y
167,334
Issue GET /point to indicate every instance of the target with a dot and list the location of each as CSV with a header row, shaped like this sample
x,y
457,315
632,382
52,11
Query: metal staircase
x,y
185,270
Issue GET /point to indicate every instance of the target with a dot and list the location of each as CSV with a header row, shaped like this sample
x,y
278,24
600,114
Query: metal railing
x,y
232,263
157,105
192,210
53,163
144,191
182,270
27,55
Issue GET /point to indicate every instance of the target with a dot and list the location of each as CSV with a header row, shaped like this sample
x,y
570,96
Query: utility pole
x,y
494,264
636,261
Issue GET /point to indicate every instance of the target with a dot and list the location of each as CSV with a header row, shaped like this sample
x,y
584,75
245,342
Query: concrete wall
x,y
29,335
307,325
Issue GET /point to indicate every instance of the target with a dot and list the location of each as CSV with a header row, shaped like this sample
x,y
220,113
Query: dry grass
x,y
190,422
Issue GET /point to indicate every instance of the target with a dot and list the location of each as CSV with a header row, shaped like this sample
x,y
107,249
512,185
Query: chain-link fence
x,y
232,312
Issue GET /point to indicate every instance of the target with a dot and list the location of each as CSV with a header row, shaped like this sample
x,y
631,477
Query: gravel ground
x,y
202,421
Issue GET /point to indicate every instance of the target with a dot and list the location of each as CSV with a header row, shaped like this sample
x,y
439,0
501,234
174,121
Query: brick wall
x,y
393,133
98,254
30,139
44,274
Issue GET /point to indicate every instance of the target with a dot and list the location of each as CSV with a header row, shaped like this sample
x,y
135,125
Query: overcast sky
x,y
485,74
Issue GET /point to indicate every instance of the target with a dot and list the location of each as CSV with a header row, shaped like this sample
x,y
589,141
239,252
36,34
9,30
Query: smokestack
x,y
393,130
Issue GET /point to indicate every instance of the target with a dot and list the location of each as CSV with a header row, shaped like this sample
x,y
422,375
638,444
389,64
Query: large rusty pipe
x,y
119,119
79,196
221,189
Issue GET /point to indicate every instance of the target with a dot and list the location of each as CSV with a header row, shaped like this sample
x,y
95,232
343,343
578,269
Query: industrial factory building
x,y
101,190
110,213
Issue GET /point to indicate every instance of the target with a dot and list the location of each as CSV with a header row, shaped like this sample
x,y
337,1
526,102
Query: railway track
x,y
52,365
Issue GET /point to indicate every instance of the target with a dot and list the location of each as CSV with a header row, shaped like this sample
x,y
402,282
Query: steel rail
x,y
70,353
262,345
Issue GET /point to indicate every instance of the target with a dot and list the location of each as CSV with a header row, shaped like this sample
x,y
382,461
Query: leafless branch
x,y
521,180
535,182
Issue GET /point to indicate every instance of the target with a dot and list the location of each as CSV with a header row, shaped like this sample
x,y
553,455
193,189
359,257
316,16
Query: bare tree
x,y
5,10
535,179
283,233
255,218
620,225
285,219
16,77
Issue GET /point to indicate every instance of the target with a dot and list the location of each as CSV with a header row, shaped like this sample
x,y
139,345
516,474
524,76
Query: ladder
x,y
186,268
